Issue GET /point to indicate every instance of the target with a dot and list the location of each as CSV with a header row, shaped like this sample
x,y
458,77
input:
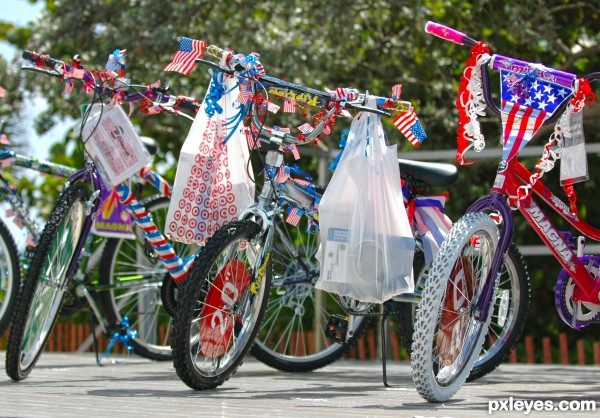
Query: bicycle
x,y
479,240
292,271
11,259
129,295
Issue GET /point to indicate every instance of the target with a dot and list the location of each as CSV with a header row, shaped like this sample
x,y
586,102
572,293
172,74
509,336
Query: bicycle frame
x,y
177,268
587,289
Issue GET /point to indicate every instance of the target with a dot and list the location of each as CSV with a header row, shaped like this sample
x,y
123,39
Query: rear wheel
x,y
292,334
10,276
131,277
220,309
44,288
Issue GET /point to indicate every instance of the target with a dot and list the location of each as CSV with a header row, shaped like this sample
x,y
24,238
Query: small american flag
x,y
282,175
76,73
396,91
18,222
294,149
253,142
245,93
2,91
305,128
184,59
154,110
272,107
289,106
280,129
294,215
7,162
408,123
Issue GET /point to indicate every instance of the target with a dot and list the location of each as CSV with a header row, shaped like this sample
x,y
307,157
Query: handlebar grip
x,y
448,34
35,57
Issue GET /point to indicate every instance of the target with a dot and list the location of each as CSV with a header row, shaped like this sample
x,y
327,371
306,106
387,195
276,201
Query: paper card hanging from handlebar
x,y
367,243
113,144
531,93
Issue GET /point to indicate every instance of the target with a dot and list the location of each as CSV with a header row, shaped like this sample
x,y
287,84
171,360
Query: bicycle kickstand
x,y
389,309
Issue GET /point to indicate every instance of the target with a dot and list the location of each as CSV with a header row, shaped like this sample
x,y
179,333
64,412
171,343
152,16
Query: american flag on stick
x,y
289,106
294,215
397,91
408,123
184,59
305,128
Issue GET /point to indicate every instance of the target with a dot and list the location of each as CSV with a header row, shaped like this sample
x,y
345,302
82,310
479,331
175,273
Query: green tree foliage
x,y
370,44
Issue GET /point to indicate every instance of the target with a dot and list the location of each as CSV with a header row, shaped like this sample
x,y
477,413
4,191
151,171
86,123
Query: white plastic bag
x,y
212,183
367,245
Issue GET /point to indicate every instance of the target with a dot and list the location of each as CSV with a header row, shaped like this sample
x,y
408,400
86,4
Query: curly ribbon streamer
x,y
466,101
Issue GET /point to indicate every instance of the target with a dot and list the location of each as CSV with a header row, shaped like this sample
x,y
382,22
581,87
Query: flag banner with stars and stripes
x,y
530,95
184,59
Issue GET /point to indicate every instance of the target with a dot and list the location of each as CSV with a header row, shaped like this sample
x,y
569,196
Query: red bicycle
x,y
454,313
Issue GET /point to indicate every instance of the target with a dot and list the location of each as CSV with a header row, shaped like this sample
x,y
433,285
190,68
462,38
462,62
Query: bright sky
x,y
20,12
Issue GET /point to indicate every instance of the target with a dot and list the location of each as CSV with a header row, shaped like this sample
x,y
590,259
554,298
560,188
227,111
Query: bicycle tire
x,y
131,278
501,338
441,361
227,286
296,305
45,285
10,276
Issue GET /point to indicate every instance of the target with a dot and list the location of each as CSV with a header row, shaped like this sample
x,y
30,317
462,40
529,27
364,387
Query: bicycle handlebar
x,y
60,69
232,63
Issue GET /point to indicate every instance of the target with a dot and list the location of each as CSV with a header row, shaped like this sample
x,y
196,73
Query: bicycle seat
x,y
150,144
435,174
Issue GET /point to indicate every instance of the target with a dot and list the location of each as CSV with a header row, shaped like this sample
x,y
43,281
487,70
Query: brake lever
x,y
52,73
362,108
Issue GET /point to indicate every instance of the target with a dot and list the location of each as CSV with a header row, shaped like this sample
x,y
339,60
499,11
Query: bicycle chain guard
x,y
576,314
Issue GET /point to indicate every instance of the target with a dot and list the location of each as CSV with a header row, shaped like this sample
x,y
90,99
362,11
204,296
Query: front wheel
x,y
44,288
10,276
448,334
220,310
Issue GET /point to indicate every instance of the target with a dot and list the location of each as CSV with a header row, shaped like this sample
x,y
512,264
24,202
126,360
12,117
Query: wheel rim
x,y
295,306
50,287
6,273
230,327
456,330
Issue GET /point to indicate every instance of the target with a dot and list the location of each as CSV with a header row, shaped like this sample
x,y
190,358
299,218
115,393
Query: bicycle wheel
x,y
448,337
509,315
10,276
220,309
131,276
292,335
44,288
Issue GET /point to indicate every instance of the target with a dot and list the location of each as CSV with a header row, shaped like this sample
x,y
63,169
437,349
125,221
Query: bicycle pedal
x,y
337,328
